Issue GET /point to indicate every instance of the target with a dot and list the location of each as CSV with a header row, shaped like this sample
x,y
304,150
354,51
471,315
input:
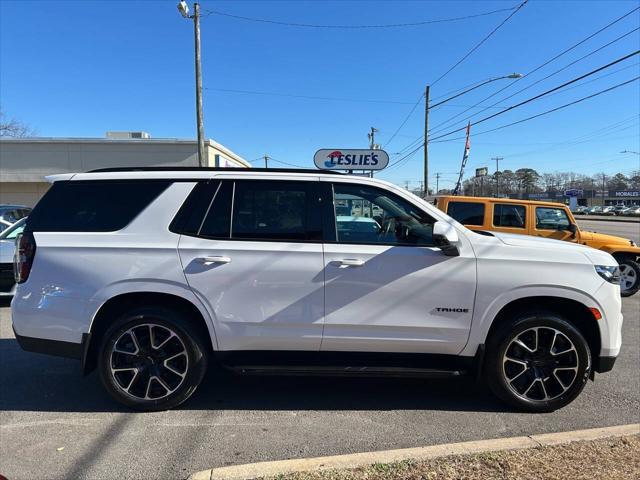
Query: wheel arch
x,y
120,303
575,312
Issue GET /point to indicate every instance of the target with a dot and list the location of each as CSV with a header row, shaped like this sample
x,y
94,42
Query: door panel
x,y
268,296
390,302
387,289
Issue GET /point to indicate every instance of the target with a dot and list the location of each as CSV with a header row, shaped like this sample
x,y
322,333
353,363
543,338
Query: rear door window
x,y
93,206
277,211
510,216
467,213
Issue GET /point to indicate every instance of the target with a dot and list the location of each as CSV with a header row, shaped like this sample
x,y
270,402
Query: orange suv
x,y
543,219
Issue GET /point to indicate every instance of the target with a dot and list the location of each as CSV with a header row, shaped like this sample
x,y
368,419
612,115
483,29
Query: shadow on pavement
x,y
34,382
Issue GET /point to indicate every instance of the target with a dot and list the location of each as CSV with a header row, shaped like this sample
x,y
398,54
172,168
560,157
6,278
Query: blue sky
x,y
80,68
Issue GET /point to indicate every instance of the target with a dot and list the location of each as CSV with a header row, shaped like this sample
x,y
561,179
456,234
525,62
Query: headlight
x,y
610,274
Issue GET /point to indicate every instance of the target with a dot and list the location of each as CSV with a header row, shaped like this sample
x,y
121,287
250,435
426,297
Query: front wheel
x,y
629,277
539,362
152,359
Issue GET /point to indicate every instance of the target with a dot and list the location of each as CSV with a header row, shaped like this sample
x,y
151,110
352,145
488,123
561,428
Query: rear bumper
x,y
57,348
604,364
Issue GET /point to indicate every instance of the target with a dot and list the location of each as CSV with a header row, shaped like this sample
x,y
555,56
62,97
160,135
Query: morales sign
x,y
350,159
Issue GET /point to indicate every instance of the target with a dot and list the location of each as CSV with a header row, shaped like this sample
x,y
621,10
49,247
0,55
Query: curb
x,y
588,218
262,469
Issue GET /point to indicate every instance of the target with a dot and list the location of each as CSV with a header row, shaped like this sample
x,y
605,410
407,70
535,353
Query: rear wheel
x,y
629,277
152,359
539,362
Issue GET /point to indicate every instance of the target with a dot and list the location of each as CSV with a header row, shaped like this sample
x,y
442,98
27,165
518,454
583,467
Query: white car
x,y
150,275
7,250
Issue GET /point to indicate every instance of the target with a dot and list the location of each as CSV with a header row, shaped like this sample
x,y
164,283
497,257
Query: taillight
x,y
25,252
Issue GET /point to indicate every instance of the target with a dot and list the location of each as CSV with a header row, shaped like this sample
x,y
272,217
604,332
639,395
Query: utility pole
x,y
196,25
372,144
266,161
437,182
497,159
426,142
183,8
406,184
603,187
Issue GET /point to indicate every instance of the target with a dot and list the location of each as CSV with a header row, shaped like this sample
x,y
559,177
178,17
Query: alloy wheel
x,y
628,277
540,364
149,361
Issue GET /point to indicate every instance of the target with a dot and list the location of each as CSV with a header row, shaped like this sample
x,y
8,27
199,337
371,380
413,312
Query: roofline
x,y
213,169
496,199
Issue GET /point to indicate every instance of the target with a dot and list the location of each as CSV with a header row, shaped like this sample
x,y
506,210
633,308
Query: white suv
x,y
152,274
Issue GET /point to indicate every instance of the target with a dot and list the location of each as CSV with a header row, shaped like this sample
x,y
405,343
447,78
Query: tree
x,y
618,182
10,127
528,178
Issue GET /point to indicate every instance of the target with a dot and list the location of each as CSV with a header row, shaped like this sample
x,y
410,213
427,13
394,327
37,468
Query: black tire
x,y
169,349
556,386
633,266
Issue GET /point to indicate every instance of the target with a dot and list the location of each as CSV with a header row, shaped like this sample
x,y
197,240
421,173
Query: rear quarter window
x,y
92,206
467,213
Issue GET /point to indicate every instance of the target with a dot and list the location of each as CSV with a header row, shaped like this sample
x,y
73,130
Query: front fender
x,y
482,320
617,250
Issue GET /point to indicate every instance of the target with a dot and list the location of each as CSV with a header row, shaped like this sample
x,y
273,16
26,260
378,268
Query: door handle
x,y
214,259
351,262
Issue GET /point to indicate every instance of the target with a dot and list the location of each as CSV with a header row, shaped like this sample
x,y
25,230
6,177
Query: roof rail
x,y
212,169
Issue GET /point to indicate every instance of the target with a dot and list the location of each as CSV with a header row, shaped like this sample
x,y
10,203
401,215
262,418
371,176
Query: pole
x,y
196,27
437,183
266,161
482,186
603,187
497,159
372,144
426,142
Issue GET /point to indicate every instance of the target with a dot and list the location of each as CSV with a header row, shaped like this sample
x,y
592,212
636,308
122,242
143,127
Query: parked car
x,y
581,210
595,210
151,275
543,219
620,209
7,251
610,210
632,212
10,214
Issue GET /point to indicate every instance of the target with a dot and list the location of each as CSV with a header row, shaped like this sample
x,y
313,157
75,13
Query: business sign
x,y
350,159
482,172
625,193
573,192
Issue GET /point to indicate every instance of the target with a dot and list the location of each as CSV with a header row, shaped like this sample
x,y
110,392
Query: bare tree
x,y
10,127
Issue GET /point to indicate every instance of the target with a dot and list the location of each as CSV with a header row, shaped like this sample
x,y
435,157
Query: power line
x,y
556,108
287,163
354,27
544,64
543,78
479,44
615,62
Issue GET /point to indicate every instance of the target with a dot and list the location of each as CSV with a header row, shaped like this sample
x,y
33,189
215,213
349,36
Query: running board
x,y
344,371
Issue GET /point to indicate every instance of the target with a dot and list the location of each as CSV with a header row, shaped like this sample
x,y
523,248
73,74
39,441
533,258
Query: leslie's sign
x,y
350,159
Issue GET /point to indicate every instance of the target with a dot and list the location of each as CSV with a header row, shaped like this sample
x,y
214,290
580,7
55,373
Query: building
x,y
587,198
24,162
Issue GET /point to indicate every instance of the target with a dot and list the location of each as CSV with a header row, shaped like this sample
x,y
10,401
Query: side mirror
x,y
573,228
446,238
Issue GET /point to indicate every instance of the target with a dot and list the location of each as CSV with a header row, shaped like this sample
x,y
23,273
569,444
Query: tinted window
x,y
276,210
217,223
189,218
374,216
512,216
467,213
551,219
97,206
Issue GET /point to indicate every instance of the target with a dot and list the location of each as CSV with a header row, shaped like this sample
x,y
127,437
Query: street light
x,y
427,107
183,8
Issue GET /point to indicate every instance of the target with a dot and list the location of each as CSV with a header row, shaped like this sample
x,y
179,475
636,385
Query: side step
x,y
344,371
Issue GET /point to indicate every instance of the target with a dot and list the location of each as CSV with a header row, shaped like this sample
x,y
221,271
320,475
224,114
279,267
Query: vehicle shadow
x,y
34,382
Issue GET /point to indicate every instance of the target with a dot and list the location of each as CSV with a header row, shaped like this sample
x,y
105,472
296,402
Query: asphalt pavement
x,y
56,424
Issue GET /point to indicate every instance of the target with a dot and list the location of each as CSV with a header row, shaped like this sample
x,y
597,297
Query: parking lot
x,y
56,424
